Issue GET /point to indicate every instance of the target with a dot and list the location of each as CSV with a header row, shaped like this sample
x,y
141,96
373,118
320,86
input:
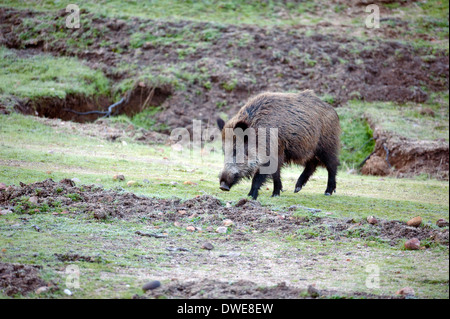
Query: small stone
x,y
207,246
76,180
173,183
442,223
412,244
146,181
33,200
147,46
222,230
182,212
68,292
131,183
227,222
407,291
177,224
41,290
414,222
151,285
2,186
5,212
119,177
372,220
190,228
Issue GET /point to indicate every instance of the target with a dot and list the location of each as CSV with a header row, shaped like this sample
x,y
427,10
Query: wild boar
x,y
308,134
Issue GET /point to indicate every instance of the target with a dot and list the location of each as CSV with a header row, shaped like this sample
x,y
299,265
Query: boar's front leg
x,y
257,181
310,168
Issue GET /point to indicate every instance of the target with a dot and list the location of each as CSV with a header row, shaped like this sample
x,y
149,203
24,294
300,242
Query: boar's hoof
x,y
297,189
224,187
327,193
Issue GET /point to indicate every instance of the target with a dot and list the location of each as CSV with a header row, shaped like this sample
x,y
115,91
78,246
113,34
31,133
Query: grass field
x,y
299,239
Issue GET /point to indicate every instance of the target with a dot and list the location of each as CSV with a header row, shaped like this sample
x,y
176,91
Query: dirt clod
x,y
313,291
442,223
407,291
119,177
372,220
19,278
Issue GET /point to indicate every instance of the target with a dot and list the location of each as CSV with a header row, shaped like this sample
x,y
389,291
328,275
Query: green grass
x,y
409,120
126,261
433,18
357,137
231,11
95,162
47,76
178,76
144,119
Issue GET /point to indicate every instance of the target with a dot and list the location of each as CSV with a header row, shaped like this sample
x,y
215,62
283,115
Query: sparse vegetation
x,y
47,76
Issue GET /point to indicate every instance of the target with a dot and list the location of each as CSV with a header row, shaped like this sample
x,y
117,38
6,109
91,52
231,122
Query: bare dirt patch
x,y
19,279
402,157
242,289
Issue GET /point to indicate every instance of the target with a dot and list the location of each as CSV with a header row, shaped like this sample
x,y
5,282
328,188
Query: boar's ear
x,y
220,123
242,125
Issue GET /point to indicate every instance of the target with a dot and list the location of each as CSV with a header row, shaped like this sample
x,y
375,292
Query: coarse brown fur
x,y
308,135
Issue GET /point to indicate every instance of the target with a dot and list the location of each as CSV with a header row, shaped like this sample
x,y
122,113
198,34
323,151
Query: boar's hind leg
x,y
277,186
331,186
331,162
310,168
257,181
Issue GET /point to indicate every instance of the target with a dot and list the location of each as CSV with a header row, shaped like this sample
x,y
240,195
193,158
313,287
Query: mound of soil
x,y
242,289
398,230
213,289
402,157
19,278
246,215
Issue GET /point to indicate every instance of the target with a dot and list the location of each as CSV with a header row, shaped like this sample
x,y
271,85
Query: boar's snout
x,y
224,186
227,180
